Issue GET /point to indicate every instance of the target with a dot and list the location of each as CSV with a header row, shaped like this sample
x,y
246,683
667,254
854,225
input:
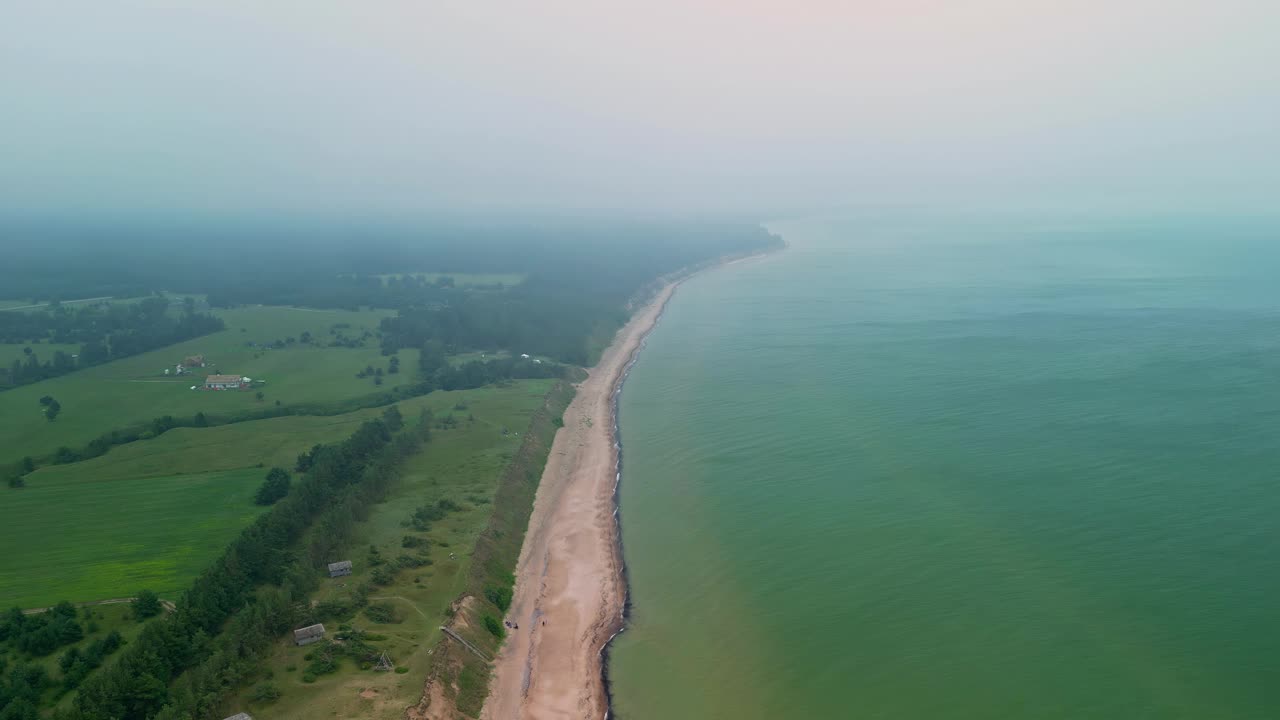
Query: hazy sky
x,y
588,103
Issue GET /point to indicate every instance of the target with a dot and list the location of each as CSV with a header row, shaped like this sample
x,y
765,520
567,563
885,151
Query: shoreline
x,y
625,610
571,580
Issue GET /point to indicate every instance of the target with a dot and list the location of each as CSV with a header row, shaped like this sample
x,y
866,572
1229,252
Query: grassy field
x,y
135,389
14,351
151,514
82,540
466,279
463,464
276,441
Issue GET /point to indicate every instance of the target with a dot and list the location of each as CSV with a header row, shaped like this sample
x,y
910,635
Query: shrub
x,y
322,665
382,613
412,561
402,670
146,604
265,693
493,626
500,596
274,487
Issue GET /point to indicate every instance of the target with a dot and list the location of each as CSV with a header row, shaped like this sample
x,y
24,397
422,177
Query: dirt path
x,y
405,600
569,574
64,302
166,604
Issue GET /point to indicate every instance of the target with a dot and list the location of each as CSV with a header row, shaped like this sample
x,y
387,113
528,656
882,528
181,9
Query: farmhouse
x,y
308,634
226,382
339,569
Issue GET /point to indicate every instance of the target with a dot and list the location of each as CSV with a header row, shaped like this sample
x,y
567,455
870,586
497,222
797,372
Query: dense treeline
x,y
228,616
104,333
526,319
578,274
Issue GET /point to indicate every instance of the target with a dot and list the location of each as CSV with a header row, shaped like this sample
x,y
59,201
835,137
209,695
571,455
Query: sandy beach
x,y
569,587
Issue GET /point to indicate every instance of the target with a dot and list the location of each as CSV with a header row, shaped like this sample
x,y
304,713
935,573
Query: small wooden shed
x,y
340,568
308,634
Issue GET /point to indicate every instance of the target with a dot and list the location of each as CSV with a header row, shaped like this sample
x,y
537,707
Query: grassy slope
x,y
461,678
135,389
464,464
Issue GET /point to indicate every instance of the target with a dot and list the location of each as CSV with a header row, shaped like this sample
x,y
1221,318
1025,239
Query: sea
x,y
928,465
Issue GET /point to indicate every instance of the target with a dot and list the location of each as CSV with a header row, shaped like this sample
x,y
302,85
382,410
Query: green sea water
x,y
919,466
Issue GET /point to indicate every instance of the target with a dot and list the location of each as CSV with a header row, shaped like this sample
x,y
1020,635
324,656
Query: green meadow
x,y
83,540
153,513
274,441
134,390
17,351
463,463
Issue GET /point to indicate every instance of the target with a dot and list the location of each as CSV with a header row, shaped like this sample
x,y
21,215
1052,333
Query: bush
x,y
493,626
402,670
382,613
146,604
322,665
308,678
265,693
412,561
275,487
499,596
